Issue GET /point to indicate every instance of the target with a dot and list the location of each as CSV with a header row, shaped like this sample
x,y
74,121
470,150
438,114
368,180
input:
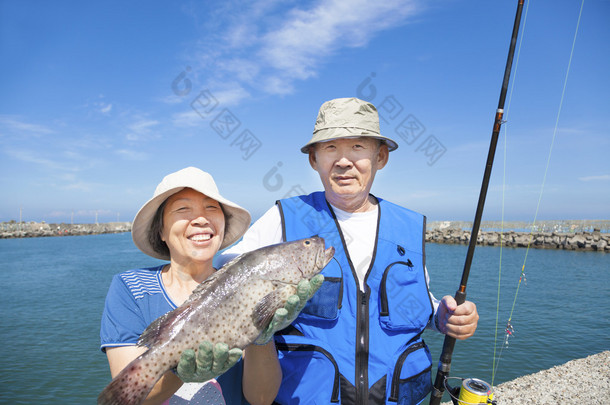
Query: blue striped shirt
x,y
135,299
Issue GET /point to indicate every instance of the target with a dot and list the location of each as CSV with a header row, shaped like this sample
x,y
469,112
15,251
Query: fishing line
x,y
509,328
510,97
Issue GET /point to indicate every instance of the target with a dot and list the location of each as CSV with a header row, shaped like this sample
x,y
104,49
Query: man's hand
x,y
456,321
210,362
295,303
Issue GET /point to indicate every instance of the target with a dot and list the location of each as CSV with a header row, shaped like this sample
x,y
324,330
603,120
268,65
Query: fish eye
x,y
307,242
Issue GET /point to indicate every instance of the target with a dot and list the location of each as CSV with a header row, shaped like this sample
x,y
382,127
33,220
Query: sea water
x,y
54,289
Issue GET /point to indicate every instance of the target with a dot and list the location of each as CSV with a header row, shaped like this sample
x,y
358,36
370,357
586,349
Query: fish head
x,y
323,255
291,262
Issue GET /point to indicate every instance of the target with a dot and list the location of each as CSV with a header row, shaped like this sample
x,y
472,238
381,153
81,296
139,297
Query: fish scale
x,y
232,306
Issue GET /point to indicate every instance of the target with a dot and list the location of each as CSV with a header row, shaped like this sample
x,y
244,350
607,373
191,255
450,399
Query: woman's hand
x,y
210,362
295,303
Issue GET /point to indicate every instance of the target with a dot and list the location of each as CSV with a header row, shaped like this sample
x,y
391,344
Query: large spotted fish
x,y
233,306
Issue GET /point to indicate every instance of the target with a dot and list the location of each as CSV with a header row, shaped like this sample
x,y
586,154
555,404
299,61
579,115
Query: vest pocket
x,y
412,379
326,302
309,374
403,301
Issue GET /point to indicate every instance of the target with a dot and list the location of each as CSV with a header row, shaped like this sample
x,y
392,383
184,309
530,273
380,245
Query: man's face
x,y
347,168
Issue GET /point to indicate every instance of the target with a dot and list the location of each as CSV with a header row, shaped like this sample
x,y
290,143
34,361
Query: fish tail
x,y
132,384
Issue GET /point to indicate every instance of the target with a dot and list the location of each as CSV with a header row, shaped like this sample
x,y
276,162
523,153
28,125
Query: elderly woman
x,y
186,222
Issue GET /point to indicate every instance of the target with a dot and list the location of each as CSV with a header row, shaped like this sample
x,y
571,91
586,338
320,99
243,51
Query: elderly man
x,y
358,340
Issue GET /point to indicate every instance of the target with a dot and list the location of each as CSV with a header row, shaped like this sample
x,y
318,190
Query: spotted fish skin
x,y
232,306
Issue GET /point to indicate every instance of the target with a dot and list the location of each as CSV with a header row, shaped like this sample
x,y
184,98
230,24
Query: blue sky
x,y
100,100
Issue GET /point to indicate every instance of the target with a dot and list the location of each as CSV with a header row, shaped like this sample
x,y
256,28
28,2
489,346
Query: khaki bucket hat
x,y
347,118
237,218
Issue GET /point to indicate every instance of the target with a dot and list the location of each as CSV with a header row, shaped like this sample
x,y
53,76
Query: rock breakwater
x,y
42,229
575,238
590,241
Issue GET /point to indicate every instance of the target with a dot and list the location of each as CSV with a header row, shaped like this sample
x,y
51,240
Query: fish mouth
x,y
328,255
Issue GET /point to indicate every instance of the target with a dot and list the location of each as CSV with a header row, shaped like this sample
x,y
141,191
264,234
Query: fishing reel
x,y
471,391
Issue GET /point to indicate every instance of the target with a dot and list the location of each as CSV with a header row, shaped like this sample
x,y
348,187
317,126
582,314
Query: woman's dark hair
x,y
154,233
227,217
156,227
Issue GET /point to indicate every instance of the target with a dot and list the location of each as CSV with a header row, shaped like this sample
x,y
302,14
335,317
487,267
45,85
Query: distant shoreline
x,y
585,235
11,230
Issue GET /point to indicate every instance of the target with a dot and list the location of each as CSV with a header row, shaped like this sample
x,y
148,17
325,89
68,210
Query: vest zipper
x,y
362,348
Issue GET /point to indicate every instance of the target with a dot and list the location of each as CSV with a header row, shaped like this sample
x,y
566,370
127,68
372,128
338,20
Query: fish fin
x,y
202,287
129,387
234,260
266,307
151,333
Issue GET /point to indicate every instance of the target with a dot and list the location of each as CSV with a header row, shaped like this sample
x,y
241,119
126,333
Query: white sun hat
x,y
237,219
347,118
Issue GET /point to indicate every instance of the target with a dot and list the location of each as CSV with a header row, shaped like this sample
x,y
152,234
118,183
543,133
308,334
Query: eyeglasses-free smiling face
x,y
193,227
347,168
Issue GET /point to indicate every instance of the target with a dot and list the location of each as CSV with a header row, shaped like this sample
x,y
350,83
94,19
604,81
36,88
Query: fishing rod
x,y
444,365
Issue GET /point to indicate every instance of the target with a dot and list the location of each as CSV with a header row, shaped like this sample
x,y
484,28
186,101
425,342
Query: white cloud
x,y
204,106
187,119
268,46
16,125
32,157
309,36
132,154
98,105
141,129
230,94
105,108
143,126
171,99
603,177
59,170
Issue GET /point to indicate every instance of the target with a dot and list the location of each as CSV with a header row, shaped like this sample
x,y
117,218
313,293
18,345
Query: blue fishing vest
x,y
354,347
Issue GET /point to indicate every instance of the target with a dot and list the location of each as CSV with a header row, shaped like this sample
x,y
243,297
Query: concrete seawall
x,y
575,235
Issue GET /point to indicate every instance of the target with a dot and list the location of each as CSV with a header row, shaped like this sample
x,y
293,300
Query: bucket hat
x,y
347,118
237,218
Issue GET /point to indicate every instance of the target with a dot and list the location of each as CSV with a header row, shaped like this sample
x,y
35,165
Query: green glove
x,y
210,362
295,303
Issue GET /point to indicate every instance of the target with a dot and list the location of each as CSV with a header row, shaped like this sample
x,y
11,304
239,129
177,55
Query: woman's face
x,y
193,227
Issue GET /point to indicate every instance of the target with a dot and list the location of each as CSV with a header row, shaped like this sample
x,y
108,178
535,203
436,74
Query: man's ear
x,y
382,156
312,158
